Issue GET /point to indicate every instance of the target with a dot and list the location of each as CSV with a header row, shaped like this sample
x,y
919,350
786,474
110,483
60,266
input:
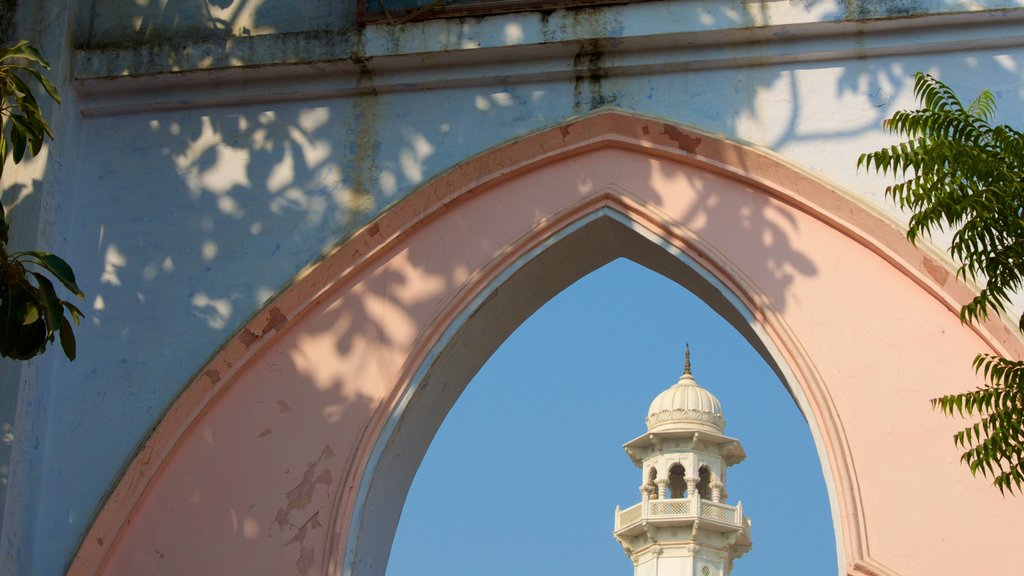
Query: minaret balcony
x,y
679,512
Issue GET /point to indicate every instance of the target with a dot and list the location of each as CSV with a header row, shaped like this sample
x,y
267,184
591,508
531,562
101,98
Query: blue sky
x,y
525,472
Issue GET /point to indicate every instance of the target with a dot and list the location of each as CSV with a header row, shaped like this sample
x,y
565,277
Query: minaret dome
x,y
686,406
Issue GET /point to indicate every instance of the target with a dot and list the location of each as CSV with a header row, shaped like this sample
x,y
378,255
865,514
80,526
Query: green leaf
x,y
76,314
32,117
17,143
956,172
34,137
50,301
29,314
23,94
24,50
33,125
67,339
30,341
56,266
51,90
3,216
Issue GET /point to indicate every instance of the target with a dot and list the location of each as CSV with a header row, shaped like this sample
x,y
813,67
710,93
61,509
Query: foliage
x,y
963,174
31,313
23,122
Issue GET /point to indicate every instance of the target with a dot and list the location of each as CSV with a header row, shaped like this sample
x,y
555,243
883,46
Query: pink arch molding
x,y
293,449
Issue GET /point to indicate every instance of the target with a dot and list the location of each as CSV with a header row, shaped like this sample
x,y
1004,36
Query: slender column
x,y
716,491
691,487
662,487
645,498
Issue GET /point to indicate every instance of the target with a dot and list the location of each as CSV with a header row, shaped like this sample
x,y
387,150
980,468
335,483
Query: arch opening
x,y
704,483
560,396
577,249
677,481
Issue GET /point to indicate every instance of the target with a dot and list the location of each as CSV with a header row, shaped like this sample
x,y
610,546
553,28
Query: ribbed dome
x,y
686,406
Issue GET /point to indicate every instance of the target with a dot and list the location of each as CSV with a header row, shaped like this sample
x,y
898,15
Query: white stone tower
x,y
682,525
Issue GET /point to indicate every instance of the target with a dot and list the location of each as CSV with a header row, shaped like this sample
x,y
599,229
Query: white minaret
x,y
682,525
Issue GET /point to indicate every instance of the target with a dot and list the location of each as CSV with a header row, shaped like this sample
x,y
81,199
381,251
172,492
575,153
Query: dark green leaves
x,y
3,222
993,445
22,125
960,173
32,315
56,266
24,51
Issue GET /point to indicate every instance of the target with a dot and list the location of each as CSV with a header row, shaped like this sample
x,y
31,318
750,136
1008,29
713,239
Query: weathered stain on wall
x,y
863,9
358,199
7,8
112,23
587,85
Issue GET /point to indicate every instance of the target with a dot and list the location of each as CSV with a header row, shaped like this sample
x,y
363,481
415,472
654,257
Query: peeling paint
x,y
266,432
283,407
938,273
275,319
684,141
299,536
298,498
327,453
213,375
301,495
312,523
305,561
247,337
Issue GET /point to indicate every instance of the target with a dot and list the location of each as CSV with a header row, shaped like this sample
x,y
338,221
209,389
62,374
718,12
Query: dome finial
x,y
686,367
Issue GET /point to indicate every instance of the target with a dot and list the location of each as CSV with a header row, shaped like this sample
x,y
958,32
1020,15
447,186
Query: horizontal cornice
x,y
282,67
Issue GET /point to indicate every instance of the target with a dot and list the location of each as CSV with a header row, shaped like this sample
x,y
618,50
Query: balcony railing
x,y
680,508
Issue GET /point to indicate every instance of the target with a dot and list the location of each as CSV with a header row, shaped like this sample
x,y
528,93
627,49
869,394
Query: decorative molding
x,y
685,415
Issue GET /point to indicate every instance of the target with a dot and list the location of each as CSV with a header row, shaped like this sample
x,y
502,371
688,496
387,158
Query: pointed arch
x,y
295,444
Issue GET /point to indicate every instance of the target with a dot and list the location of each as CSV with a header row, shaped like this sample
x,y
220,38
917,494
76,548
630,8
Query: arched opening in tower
x,y
704,483
677,481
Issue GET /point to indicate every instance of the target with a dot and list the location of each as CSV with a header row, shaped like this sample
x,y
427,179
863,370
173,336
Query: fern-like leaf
x,y
955,171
